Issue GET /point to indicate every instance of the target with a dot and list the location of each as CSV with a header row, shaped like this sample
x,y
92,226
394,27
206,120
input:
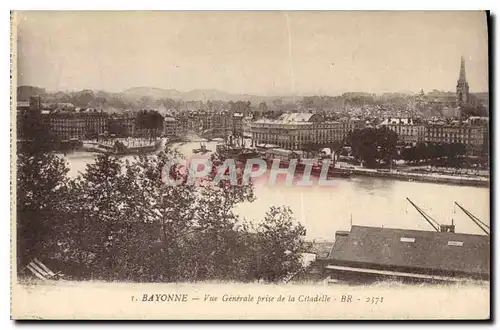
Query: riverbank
x,y
124,146
474,181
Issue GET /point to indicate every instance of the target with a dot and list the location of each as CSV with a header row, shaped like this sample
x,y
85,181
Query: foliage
x,y
279,245
119,221
220,237
468,110
32,131
97,216
373,145
169,210
116,127
240,107
263,108
41,190
149,120
432,152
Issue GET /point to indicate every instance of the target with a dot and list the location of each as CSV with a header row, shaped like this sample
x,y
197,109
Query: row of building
x,y
294,131
473,132
221,124
297,131
80,124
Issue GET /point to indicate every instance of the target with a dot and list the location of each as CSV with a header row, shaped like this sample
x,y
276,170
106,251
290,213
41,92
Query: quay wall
x,y
435,178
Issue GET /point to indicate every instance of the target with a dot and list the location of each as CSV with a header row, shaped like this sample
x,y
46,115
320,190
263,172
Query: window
x,y
407,239
455,243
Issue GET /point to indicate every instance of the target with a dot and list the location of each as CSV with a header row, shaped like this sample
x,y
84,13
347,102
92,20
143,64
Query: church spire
x,y
461,77
462,85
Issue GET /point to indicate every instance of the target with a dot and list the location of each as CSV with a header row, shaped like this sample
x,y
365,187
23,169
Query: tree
x,y
468,110
40,198
373,145
99,215
363,145
117,128
263,108
452,151
240,107
386,140
84,98
280,245
408,154
151,121
169,209
421,152
219,241
33,130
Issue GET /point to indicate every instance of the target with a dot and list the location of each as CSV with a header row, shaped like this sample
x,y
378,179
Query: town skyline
x,y
316,53
449,91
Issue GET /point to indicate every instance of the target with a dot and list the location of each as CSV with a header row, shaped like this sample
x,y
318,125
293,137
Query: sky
x,y
261,53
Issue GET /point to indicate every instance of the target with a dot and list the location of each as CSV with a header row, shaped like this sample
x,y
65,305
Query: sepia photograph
x,y
293,165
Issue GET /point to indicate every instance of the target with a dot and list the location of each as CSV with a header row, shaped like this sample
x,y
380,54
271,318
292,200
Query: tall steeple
x,y
462,85
461,77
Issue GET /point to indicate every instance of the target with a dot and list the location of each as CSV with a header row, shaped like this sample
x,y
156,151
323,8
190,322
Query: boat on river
x,y
332,171
238,153
247,153
202,149
286,156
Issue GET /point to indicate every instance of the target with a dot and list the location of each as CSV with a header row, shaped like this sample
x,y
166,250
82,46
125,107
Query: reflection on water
x,y
359,201
373,185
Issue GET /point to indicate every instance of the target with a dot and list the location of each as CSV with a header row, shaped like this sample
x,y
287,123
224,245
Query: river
x,y
357,201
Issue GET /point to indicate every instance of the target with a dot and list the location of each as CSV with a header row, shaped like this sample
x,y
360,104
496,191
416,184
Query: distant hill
x,y
207,94
194,95
154,93
144,97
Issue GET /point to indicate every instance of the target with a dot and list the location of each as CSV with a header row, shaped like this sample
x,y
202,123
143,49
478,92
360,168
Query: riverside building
x,y
409,131
295,131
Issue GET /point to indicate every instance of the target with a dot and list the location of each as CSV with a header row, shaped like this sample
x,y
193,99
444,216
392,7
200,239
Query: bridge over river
x,y
210,134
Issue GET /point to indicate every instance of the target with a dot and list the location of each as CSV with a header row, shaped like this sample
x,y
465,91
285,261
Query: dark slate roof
x,y
412,249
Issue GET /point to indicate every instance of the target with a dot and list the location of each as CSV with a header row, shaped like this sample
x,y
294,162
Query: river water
x,y
357,201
